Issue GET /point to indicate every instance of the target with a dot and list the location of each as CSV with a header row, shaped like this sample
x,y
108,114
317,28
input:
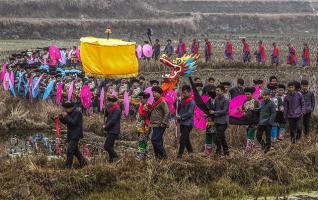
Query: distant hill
x,y
75,18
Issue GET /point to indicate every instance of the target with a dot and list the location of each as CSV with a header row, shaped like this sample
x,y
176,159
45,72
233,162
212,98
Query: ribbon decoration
x,y
6,81
3,72
101,99
48,89
12,88
126,104
70,91
86,96
58,93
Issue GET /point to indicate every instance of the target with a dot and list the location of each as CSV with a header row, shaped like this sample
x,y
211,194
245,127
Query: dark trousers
x,y
220,140
185,139
295,128
306,122
157,142
268,130
109,146
73,150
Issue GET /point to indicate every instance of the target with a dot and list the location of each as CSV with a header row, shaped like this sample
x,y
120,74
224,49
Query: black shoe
x,y
179,156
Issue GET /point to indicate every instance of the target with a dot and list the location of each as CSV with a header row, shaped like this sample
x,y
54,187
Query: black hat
x,y
144,95
272,87
112,99
249,90
225,83
157,89
258,82
67,104
154,82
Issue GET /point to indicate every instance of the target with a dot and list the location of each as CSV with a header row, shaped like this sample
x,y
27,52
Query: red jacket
x,y
275,52
195,48
229,47
306,54
182,51
262,52
246,48
208,49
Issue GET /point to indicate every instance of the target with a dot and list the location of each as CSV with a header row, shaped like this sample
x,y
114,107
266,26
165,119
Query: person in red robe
x,y
292,56
181,48
275,55
261,53
228,51
246,52
306,56
195,47
207,50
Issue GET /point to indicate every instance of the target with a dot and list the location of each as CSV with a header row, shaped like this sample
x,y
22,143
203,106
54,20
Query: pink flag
x,y
3,72
54,52
126,104
199,117
70,91
235,104
37,82
12,78
151,98
257,92
101,99
86,96
6,80
171,98
58,97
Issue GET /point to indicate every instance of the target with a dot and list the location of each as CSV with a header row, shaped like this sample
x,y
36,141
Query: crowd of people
x,y
259,53
277,107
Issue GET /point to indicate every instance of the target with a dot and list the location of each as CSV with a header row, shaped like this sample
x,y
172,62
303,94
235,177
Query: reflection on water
x,y
24,143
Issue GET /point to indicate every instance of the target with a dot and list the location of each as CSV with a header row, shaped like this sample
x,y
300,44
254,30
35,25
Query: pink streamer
x,y
70,91
86,96
199,117
3,72
37,82
77,53
101,99
151,98
59,90
126,104
6,80
12,78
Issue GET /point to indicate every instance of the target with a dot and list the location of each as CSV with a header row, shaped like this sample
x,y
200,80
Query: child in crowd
x,y
309,99
280,120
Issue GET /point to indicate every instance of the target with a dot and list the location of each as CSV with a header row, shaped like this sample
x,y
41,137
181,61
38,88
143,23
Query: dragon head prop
x,y
184,66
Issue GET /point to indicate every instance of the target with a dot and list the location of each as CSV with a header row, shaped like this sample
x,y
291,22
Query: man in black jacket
x,y
220,116
73,119
112,127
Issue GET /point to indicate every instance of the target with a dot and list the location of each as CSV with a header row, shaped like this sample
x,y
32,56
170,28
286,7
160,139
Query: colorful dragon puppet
x,y
184,66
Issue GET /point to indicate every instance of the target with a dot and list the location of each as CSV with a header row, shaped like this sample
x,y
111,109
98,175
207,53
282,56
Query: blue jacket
x,y
186,113
74,123
112,124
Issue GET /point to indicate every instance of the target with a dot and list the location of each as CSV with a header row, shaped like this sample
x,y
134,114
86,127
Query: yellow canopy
x,y
111,58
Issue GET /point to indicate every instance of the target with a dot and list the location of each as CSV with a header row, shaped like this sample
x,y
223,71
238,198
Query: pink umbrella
x,y
139,51
147,50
